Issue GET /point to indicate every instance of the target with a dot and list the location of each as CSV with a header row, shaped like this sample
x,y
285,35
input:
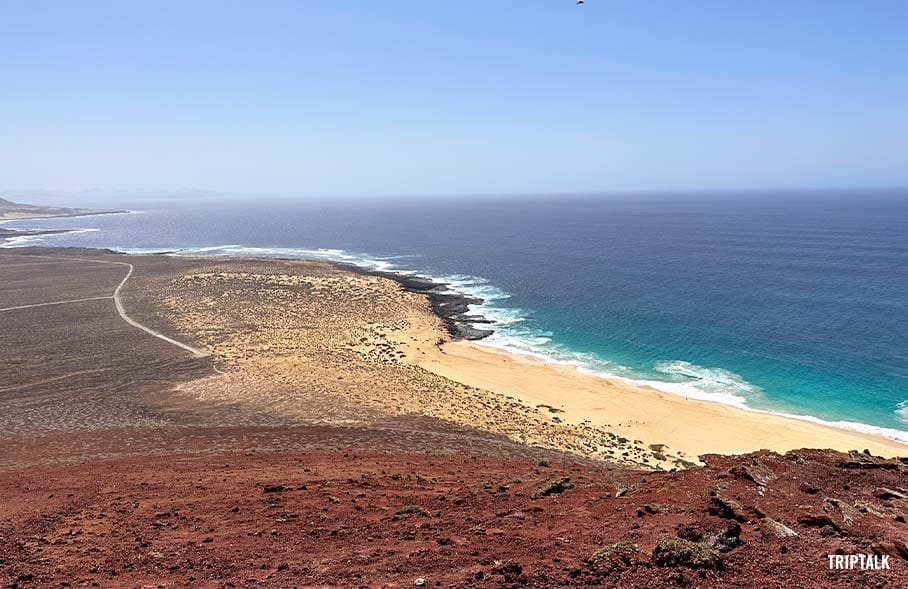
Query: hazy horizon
x,y
396,98
110,198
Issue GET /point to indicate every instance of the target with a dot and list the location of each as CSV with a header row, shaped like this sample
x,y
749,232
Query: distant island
x,y
10,211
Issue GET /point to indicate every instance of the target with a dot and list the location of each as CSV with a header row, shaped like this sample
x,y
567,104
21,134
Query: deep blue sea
x,y
787,302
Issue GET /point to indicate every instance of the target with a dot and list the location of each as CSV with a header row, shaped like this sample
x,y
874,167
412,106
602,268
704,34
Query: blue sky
x,y
442,97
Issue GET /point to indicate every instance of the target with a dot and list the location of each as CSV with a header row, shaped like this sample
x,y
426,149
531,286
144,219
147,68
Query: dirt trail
x,y
54,303
118,302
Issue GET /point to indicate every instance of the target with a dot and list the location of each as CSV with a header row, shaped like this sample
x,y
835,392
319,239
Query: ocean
x,y
788,302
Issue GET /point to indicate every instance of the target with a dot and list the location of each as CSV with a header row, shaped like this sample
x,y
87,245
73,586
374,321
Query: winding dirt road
x,y
118,303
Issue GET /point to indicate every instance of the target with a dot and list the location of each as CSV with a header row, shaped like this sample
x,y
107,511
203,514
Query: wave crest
x,y
38,239
901,411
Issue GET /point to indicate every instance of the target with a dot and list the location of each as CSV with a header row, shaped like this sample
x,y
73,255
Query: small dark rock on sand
x,y
554,487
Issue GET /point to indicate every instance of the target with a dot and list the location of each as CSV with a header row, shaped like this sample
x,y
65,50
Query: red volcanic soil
x,y
367,518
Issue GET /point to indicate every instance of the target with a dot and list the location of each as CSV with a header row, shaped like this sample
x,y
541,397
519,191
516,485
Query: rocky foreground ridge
x,y
372,518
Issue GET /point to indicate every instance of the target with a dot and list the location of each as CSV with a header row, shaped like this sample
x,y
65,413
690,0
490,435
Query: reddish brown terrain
x,y
115,473
363,517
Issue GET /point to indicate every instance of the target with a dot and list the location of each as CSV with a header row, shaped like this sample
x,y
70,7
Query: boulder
x,y
674,551
771,528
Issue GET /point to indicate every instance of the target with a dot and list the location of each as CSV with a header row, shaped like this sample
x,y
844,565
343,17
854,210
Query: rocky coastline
x,y
452,307
9,234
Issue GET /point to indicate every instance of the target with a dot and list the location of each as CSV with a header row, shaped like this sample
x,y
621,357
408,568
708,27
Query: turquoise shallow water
x,y
786,302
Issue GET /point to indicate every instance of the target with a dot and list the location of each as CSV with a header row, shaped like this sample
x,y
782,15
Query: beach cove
x,y
314,342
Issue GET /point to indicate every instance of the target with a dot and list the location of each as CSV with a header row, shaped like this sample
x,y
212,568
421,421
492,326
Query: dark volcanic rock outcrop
x,y
452,307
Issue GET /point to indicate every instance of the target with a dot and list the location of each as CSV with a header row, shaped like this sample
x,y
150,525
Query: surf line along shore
x,y
663,420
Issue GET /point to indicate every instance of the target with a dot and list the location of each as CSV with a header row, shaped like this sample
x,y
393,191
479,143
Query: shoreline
x,y
63,216
8,237
11,235
12,238
709,426
857,427
746,429
452,308
691,426
681,425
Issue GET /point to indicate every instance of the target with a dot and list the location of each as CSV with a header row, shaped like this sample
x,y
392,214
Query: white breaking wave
x,y
885,432
901,411
688,380
26,240
326,254
713,382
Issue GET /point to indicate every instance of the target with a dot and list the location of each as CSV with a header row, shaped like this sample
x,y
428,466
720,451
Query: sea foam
x,y
901,411
31,240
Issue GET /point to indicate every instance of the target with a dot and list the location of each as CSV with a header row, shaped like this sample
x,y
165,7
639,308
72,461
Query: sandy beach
x,y
690,426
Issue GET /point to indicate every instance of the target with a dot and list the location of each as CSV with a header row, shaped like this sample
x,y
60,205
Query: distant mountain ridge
x,y
10,210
